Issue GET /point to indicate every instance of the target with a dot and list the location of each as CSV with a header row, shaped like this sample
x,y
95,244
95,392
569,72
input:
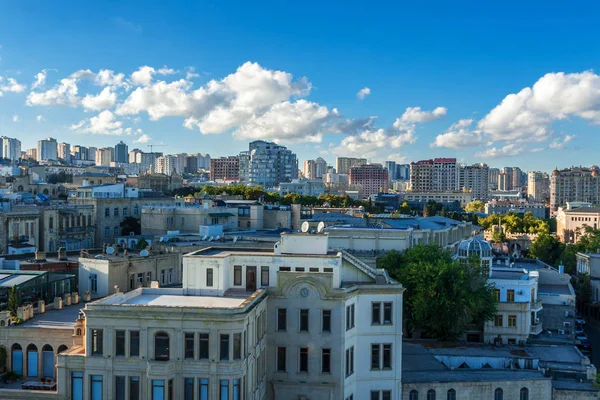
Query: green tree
x,y
498,237
13,301
546,248
583,290
130,224
442,295
475,206
142,244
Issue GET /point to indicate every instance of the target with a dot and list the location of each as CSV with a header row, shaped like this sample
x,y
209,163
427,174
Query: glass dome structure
x,y
474,246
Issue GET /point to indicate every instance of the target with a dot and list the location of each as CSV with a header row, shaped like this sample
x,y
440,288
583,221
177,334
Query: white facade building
x,y
305,187
11,148
296,322
64,151
47,149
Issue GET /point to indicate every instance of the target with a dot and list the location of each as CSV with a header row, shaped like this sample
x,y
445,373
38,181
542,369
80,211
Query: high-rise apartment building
x,y
147,160
493,177
31,154
343,164
225,168
83,153
91,153
105,156
392,170
190,164
11,148
64,152
538,186
475,179
403,172
314,169
135,156
203,161
267,164
47,149
121,151
373,178
510,178
437,175
169,164
574,184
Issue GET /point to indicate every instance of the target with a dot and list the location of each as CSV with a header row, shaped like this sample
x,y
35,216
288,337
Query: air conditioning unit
x,y
537,321
561,331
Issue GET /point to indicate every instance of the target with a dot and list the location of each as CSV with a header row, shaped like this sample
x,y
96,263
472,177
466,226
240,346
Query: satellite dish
x,y
235,238
305,226
218,237
204,237
110,250
166,239
161,239
321,227
144,253
210,239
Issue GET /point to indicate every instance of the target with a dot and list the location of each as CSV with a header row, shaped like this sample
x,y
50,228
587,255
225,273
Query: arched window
x,y
17,358
47,361
32,360
161,346
524,394
498,394
451,394
78,332
61,348
413,395
431,394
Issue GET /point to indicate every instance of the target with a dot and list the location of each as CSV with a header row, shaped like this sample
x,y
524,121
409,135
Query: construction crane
x,y
155,145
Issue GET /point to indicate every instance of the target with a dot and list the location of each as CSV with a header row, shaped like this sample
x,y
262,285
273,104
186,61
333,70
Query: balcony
x,y
77,230
536,305
160,368
536,329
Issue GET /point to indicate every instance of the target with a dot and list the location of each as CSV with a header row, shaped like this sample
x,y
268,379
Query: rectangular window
x,y
387,356
326,321
134,388
285,269
120,344
349,317
97,342
189,345
510,295
116,212
498,320
281,319
303,367
237,275
158,389
349,361
224,348
512,321
387,313
95,387
203,389
107,212
125,212
94,283
134,343
77,385
375,313
148,278
224,390
116,230
163,276
281,359
497,294
375,356
188,388
171,275
387,395
209,277
119,387
326,361
313,269
264,276
374,394
299,269
171,389
237,346
203,346
328,270
304,320
236,389
107,231
140,279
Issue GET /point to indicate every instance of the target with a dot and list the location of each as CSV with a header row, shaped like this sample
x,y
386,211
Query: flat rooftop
x,y
229,251
517,274
54,319
554,289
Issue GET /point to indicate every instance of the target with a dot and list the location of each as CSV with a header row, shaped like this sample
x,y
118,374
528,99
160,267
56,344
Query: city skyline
x,y
386,101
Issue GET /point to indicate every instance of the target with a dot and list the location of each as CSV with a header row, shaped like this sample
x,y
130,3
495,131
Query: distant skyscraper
x,y
190,164
169,164
226,168
47,149
474,178
493,177
64,152
437,175
314,169
373,178
11,148
121,155
343,164
105,156
392,171
510,178
574,184
203,161
135,156
403,172
267,164
538,186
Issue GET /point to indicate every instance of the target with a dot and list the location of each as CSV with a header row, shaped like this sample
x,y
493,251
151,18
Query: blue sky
x,y
444,79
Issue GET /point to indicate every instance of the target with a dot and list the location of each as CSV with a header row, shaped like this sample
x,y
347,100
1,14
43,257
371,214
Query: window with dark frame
x,y
134,343
203,353
161,346
237,346
97,342
281,359
387,356
264,276
326,361
375,313
237,275
224,347
189,345
303,359
281,319
209,277
120,345
387,313
326,321
134,388
304,320
375,357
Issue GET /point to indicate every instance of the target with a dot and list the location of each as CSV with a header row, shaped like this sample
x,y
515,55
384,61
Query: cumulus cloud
x,y
40,79
415,114
103,100
39,118
65,93
528,114
104,123
190,73
301,121
508,150
15,118
362,93
560,144
143,139
11,85
143,76
459,135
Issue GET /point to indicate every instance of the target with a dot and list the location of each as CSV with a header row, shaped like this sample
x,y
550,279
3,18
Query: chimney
x,y
117,290
62,254
40,256
561,269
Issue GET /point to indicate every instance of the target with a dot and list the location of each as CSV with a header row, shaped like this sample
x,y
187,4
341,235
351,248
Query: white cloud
x,y
512,149
143,76
190,73
40,79
143,139
105,99
64,93
15,118
362,93
459,135
106,77
104,123
301,121
11,85
415,114
560,144
528,114
40,118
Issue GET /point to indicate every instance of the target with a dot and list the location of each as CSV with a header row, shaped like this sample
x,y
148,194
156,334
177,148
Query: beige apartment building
x,y
571,224
574,185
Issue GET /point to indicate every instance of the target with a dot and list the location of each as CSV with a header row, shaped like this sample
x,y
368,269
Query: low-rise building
x,y
68,226
304,187
571,223
19,226
539,210
463,198
157,220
